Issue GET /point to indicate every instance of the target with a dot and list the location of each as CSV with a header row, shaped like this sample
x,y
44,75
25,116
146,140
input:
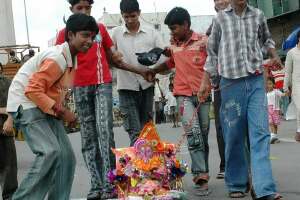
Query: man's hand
x,y
204,89
147,74
63,113
69,117
167,52
8,126
117,58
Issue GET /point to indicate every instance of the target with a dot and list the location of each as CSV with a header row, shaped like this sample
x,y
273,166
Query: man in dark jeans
x,y
135,93
219,5
8,157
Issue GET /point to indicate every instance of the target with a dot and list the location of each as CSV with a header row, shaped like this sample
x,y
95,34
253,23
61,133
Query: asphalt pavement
x,y
285,158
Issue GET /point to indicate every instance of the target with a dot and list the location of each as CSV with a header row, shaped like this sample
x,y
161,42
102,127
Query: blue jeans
x,y
244,107
197,132
94,108
284,103
53,168
137,109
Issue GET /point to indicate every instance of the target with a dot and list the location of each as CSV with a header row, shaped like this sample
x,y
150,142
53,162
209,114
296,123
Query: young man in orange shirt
x,y
188,55
35,101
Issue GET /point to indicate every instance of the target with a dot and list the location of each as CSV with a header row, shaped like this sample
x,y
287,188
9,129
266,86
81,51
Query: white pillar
x,y
7,30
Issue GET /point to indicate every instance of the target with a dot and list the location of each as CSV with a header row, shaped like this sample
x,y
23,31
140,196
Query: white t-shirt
x,y
171,99
274,97
145,39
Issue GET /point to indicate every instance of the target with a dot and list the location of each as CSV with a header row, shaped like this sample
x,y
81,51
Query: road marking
x,y
287,140
273,158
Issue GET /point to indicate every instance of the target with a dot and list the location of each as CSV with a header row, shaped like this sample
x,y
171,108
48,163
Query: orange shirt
x,y
43,80
188,59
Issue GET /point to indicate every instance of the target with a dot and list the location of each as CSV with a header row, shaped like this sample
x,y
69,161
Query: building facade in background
x,y
282,16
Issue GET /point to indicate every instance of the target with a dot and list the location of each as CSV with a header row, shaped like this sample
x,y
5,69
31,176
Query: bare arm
x,y
3,111
161,68
8,125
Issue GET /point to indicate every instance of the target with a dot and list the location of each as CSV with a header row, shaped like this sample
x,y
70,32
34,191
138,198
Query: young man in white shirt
x,y
135,93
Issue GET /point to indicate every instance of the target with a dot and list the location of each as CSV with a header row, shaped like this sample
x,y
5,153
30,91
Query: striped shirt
x,y
235,43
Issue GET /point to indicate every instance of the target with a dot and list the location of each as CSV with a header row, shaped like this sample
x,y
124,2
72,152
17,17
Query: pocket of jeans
x,y
195,142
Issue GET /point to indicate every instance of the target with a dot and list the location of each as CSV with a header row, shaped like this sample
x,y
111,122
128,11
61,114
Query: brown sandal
x,y
201,182
278,196
201,179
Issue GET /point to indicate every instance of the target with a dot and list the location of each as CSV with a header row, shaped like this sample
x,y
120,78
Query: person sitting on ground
x,y
13,57
28,56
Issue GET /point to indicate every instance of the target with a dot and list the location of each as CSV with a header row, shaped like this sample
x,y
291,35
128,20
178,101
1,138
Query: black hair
x,y
12,53
129,6
81,22
31,52
178,16
74,2
298,37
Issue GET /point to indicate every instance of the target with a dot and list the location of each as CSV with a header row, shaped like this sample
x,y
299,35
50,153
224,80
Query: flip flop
x,y
221,175
236,194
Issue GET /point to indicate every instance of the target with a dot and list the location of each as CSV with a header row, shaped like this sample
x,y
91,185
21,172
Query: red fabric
x,y
92,67
279,78
188,59
274,116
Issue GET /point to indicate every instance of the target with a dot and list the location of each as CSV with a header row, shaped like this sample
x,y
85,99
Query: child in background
x,y
274,96
172,105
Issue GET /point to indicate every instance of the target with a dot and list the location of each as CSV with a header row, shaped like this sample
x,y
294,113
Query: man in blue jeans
x,y
234,52
219,5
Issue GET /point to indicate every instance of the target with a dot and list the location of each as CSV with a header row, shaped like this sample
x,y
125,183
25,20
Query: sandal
x,y
236,194
203,191
198,180
201,182
221,175
278,196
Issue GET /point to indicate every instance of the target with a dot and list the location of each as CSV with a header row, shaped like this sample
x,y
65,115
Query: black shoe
x,y
221,175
